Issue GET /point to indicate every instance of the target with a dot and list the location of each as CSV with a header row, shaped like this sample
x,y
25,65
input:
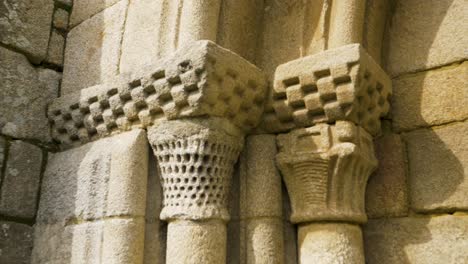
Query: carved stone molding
x,y
338,84
196,160
325,168
202,79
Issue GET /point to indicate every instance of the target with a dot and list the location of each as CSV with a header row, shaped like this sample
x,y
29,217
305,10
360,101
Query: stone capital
x,y
338,84
325,168
201,79
196,159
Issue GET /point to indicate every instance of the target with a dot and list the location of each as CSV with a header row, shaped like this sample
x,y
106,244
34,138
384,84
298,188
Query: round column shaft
x,y
330,243
195,159
196,242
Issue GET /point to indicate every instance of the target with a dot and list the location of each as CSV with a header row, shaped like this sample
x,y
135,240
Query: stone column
x,y
331,104
196,159
325,168
197,105
346,22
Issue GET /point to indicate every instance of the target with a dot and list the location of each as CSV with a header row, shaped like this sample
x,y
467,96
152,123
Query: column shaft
x,y
330,243
347,22
196,242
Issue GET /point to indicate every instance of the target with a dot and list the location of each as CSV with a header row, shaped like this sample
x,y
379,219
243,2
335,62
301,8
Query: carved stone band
x,y
339,84
202,79
325,168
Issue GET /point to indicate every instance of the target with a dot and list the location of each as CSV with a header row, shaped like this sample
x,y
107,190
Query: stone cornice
x,y
202,79
338,84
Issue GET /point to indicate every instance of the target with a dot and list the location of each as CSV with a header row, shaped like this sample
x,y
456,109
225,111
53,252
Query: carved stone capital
x,y
338,84
196,159
325,168
201,79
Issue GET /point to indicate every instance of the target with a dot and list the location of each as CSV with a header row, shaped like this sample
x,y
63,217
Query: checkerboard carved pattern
x,y
202,80
339,84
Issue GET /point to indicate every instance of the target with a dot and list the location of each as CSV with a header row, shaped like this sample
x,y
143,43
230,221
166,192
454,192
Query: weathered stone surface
x,y
25,25
258,172
18,196
430,98
196,162
201,79
145,18
421,240
51,79
264,241
346,22
377,14
325,169
15,243
325,243
3,146
426,34
338,84
56,46
106,241
67,3
239,26
196,242
155,242
23,98
438,171
386,193
93,48
291,29
105,178
85,9
61,19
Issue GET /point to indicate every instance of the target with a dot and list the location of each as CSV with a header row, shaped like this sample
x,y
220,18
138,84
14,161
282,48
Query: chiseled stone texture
x,y
438,168
3,146
18,196
84,9
24,95
324,243
418,240
56,46
15,243
430,98
100,179
61,17
93,49
425,34
105,241
25,25
386,193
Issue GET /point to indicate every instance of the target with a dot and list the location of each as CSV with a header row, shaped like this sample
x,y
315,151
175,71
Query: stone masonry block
x,y
339,84
386,193
18,196
438,168
430,98
3,146
56,47
105,241
93,49
101,179
61,17
24,96
202,79
425,34
418,240
325,169
25,25
15,243
85,9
